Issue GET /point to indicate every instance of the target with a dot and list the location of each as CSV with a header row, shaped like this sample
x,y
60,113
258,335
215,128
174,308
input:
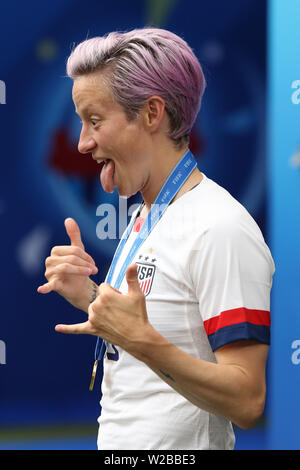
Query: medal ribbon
x,y
172,185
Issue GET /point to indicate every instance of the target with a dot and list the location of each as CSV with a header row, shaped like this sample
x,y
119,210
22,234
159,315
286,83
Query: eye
x,y
94,122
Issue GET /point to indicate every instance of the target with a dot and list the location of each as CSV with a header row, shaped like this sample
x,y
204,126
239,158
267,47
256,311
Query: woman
x,y
186,343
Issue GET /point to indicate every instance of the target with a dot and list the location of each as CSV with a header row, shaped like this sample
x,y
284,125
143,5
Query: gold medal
x,y
93,375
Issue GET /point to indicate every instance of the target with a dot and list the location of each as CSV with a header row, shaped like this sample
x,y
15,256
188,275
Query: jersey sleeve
x,y
232,270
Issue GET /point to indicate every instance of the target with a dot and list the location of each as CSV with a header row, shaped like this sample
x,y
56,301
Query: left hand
x,y
119,319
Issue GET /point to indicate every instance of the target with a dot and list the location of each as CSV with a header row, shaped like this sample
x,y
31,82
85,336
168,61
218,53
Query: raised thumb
x,y
73,232
132,280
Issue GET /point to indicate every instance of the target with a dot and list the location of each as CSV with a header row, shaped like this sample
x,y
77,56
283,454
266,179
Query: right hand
x,y
68,269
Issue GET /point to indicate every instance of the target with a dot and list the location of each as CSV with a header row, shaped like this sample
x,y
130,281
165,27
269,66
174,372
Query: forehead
x,y
91,92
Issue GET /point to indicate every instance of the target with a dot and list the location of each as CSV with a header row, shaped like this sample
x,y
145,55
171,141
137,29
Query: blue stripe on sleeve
x,y
239,331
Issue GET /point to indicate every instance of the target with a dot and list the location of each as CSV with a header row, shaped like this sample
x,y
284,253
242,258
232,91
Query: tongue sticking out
x,y
107,176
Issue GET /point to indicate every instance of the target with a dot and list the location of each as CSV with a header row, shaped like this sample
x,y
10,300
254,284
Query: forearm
x,y
222,389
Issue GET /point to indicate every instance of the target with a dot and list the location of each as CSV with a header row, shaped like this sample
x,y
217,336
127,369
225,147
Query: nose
x,y
86,143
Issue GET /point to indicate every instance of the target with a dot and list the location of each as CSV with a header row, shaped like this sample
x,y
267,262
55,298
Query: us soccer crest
x,y
146,271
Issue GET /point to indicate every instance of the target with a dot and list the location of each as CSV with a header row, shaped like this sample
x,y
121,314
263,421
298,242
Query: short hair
x,y
145,62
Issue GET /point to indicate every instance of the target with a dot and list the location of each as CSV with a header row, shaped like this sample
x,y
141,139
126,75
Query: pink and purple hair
x,y
142,63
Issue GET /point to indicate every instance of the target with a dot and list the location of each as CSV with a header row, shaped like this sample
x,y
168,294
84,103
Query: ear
x,y
154,112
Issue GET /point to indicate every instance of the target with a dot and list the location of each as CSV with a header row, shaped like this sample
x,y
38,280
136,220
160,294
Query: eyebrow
x,y
85,109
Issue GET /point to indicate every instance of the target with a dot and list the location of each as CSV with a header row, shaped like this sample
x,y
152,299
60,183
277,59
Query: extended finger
x,y
73,232
132,280
75,329
47,287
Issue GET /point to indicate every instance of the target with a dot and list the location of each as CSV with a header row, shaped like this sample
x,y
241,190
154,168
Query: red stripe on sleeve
x,y
237,315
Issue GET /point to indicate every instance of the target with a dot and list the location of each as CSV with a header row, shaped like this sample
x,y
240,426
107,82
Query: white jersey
x,y
206,273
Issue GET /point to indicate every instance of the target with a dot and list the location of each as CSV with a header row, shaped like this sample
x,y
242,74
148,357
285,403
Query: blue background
x,y
245,138
284,222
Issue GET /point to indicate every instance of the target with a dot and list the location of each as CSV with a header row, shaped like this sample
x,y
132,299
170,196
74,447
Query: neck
x,y
162,167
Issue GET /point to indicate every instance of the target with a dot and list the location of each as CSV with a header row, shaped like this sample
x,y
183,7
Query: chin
x,y
126,194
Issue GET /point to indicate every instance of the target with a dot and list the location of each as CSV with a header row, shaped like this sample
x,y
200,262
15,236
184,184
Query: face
x,y
120,144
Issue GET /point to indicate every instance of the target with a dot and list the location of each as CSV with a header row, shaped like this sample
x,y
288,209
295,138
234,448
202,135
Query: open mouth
x,y
102,161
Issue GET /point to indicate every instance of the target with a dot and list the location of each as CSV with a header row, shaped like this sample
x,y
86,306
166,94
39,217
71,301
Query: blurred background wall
x,y
246,138
284,220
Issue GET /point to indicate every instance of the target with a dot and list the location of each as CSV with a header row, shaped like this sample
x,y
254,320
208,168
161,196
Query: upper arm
x,y
232,273
251,358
